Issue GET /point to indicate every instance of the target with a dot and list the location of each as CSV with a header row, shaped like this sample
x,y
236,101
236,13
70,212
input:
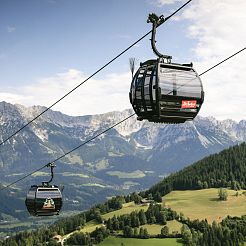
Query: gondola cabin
x,y
44,200
166,92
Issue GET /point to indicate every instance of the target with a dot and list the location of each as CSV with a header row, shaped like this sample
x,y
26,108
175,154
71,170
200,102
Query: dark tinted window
x,y
179,82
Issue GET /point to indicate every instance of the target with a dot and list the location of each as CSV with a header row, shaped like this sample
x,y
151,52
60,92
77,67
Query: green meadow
x,y
204,204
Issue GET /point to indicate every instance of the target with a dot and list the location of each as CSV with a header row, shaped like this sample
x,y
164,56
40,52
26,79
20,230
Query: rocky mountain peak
x,y
56,133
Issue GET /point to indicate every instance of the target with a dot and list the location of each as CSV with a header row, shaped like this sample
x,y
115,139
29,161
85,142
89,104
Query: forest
x,y
225,169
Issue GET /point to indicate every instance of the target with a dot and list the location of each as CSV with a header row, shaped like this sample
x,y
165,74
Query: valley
x,y
127,159
132,157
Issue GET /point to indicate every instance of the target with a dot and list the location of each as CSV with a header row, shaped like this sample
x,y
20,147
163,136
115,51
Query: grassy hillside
x,y
116,241
195,204
126,209
155,229
204,204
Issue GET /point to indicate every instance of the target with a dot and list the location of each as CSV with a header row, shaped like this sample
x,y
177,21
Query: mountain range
x,y
132,156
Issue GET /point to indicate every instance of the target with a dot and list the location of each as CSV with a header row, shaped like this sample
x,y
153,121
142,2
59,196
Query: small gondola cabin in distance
x,y
45,199
165,92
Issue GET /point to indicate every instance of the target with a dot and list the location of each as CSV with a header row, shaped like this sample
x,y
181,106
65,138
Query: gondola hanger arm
x,y
157,21
51,165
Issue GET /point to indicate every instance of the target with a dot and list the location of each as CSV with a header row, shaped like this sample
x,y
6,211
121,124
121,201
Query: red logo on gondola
x,y
188,104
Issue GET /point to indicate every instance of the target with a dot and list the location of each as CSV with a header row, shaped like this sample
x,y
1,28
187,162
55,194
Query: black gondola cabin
x,y
44,200
166,92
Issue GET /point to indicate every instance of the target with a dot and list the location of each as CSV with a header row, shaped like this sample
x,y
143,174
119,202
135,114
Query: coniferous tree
x,y
164,231
127,231
135,232
145,233
142,217
157,197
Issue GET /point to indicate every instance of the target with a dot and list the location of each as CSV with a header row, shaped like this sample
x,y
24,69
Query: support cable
x,y
92,75
226,59
67,153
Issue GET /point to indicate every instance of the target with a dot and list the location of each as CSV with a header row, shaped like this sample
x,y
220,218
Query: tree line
x,y
230,232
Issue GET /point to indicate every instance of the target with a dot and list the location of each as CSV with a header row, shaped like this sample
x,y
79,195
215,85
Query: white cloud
x,y
11,29
95,96
122,36
161,3
14,98
219,27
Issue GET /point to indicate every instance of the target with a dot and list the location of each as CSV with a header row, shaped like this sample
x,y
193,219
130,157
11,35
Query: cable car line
x,y
92,75
24,177
84,143
96,136
213,67
67,153
222,61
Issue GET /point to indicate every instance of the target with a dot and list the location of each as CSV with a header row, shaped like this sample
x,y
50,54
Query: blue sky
x,y
49,46
40,38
